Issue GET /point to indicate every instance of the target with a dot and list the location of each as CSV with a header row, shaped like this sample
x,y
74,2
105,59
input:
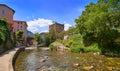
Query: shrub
x,y
76,47
93,48
52,47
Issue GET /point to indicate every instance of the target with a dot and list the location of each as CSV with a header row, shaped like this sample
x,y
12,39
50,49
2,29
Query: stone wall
x,y
6,46
15,57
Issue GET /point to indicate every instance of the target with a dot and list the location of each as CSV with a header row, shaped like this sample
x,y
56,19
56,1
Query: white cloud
x,y
45,31
36,24
67,26
41,25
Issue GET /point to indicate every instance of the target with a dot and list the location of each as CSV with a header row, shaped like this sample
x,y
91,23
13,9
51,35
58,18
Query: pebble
x,y
42,60
76,65
87,68
46,57
110,68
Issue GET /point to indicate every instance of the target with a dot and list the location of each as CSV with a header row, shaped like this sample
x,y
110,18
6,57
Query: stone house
x,y
17,26
55,29
7,13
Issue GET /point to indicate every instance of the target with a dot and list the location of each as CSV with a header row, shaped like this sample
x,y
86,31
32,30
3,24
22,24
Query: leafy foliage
x,y
52,47
37,38
75,44
19,34
71,31
4,32
47,40
100,23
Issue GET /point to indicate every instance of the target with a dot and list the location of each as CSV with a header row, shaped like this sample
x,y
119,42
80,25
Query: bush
x,y
93,48
52,47
77,49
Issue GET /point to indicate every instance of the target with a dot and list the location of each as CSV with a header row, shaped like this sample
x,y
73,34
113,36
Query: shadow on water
x,y
44,60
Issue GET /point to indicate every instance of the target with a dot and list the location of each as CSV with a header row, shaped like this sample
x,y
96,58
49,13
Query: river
x,y
45,60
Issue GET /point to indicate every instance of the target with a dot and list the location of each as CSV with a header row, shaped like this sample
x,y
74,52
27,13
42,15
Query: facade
x,y
7,13
42,34
55,29
20,25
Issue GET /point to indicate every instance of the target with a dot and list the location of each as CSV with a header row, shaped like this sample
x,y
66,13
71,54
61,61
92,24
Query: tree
x,y
19,34
72,30
100,22
47,40
4,32
37,38
5,35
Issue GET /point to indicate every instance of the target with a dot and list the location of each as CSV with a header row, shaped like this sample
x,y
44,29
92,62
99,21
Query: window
x,y
21,27
3,11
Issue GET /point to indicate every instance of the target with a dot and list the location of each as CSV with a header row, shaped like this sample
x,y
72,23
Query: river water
x,y
44,60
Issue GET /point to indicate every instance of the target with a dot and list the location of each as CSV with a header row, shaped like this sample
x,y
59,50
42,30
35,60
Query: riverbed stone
x,y
42,60
110,68
88,68
46,57
76,65
77,57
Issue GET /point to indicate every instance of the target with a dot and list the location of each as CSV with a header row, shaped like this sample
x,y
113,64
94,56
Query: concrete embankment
x,y
15,57
8,58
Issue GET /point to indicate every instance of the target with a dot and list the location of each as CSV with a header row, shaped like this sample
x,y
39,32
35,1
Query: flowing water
x,y
43,60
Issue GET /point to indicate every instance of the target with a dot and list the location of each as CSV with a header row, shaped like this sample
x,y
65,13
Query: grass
x,y
75,44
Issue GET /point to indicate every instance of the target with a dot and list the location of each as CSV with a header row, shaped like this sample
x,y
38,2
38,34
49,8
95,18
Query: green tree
x,y
61,35
4,32
37,38
72,30
5,35
47,40
100,23
19,34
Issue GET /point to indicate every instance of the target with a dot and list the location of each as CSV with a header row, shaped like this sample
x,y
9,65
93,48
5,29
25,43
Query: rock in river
x,y
76,65
110,68
46,57
87,68
42,60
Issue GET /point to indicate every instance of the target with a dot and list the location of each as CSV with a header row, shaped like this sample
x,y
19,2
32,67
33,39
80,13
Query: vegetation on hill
x,y
75,44
100,23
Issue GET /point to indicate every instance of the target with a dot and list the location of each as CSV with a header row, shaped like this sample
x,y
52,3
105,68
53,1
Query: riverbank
x,y
6,60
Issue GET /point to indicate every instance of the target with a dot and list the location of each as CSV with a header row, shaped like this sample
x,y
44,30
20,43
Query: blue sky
x,y
40,13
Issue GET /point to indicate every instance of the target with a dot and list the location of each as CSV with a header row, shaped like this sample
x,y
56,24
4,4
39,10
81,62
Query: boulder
x,y
46,57
110,68
76,65
77,57
42,60
87,68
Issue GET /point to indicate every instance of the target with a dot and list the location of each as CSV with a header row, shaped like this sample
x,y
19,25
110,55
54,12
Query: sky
x,y
39,14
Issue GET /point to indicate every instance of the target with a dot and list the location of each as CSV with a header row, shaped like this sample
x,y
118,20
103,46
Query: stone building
x,y
55,29
20,25
7,13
